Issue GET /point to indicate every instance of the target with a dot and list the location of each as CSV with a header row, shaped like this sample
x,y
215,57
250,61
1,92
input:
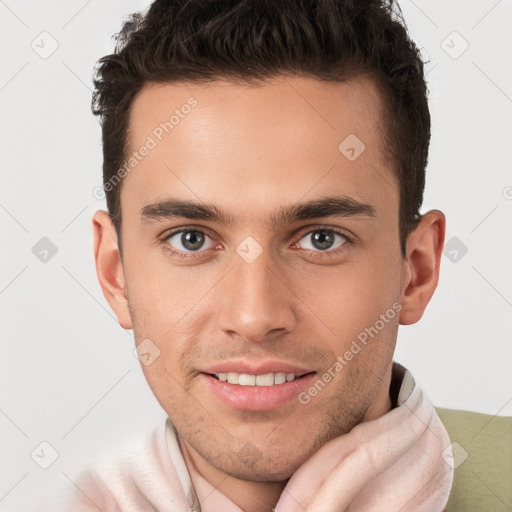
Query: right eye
x,y
187,240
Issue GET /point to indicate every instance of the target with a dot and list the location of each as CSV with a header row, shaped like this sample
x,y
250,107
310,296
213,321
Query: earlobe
x,y
420,273
109,267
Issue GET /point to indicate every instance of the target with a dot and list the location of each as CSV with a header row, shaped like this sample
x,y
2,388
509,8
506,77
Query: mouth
x,y
262,380
257,392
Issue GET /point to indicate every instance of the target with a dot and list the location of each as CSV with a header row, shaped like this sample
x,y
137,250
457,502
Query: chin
x,y
262,474
270,468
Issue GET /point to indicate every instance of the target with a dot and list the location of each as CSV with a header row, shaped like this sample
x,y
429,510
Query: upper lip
x,y
255,368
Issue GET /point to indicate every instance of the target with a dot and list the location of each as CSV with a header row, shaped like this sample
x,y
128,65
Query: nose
x,y
255,300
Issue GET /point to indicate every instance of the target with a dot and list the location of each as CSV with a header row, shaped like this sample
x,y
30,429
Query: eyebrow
x,y
170,208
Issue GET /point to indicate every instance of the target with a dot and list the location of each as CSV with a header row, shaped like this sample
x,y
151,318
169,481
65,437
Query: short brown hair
x,y
247,40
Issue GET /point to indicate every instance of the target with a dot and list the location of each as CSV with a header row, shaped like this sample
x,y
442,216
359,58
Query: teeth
x,y
244,379
265,380
232,377
280,378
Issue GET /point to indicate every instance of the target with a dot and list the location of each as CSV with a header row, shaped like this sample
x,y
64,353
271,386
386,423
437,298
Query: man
x,y
264,165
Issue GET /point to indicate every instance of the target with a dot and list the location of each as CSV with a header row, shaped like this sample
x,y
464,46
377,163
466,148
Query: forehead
x,y
281,140
306,104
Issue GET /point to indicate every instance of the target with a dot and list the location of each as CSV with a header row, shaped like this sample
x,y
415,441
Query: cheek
x,y
360,306
171,337
355,295
161,295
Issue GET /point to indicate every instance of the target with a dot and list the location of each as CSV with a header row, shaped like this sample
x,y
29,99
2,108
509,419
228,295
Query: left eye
x,y
191,240
323,239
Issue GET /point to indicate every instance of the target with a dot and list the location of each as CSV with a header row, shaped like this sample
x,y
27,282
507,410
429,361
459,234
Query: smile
x,y
263,392
267,379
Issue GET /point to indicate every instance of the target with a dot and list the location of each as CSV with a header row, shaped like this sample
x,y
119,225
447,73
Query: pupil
x,y
321,240
192,240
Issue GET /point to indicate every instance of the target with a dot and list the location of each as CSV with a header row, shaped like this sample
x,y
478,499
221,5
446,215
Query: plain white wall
x,y
67,373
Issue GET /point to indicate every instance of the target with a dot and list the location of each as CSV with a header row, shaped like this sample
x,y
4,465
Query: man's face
x,y
263,293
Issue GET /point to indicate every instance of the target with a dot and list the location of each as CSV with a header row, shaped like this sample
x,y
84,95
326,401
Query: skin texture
x,y
250,150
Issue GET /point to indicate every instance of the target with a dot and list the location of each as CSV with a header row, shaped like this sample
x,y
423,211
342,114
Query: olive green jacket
x,y
482,447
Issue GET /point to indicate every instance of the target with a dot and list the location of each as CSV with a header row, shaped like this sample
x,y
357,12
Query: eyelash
x,y
197,254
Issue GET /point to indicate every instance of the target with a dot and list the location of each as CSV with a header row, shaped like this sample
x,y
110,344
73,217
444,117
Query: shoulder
x,y
482,447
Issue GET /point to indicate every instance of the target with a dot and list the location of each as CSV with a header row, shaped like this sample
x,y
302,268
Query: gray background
x,y
68,376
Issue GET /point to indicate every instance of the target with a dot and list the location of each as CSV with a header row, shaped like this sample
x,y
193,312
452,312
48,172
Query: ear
x,y
420,273
109,267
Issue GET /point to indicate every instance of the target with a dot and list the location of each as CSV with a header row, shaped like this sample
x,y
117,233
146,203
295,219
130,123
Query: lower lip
x,y
257,398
